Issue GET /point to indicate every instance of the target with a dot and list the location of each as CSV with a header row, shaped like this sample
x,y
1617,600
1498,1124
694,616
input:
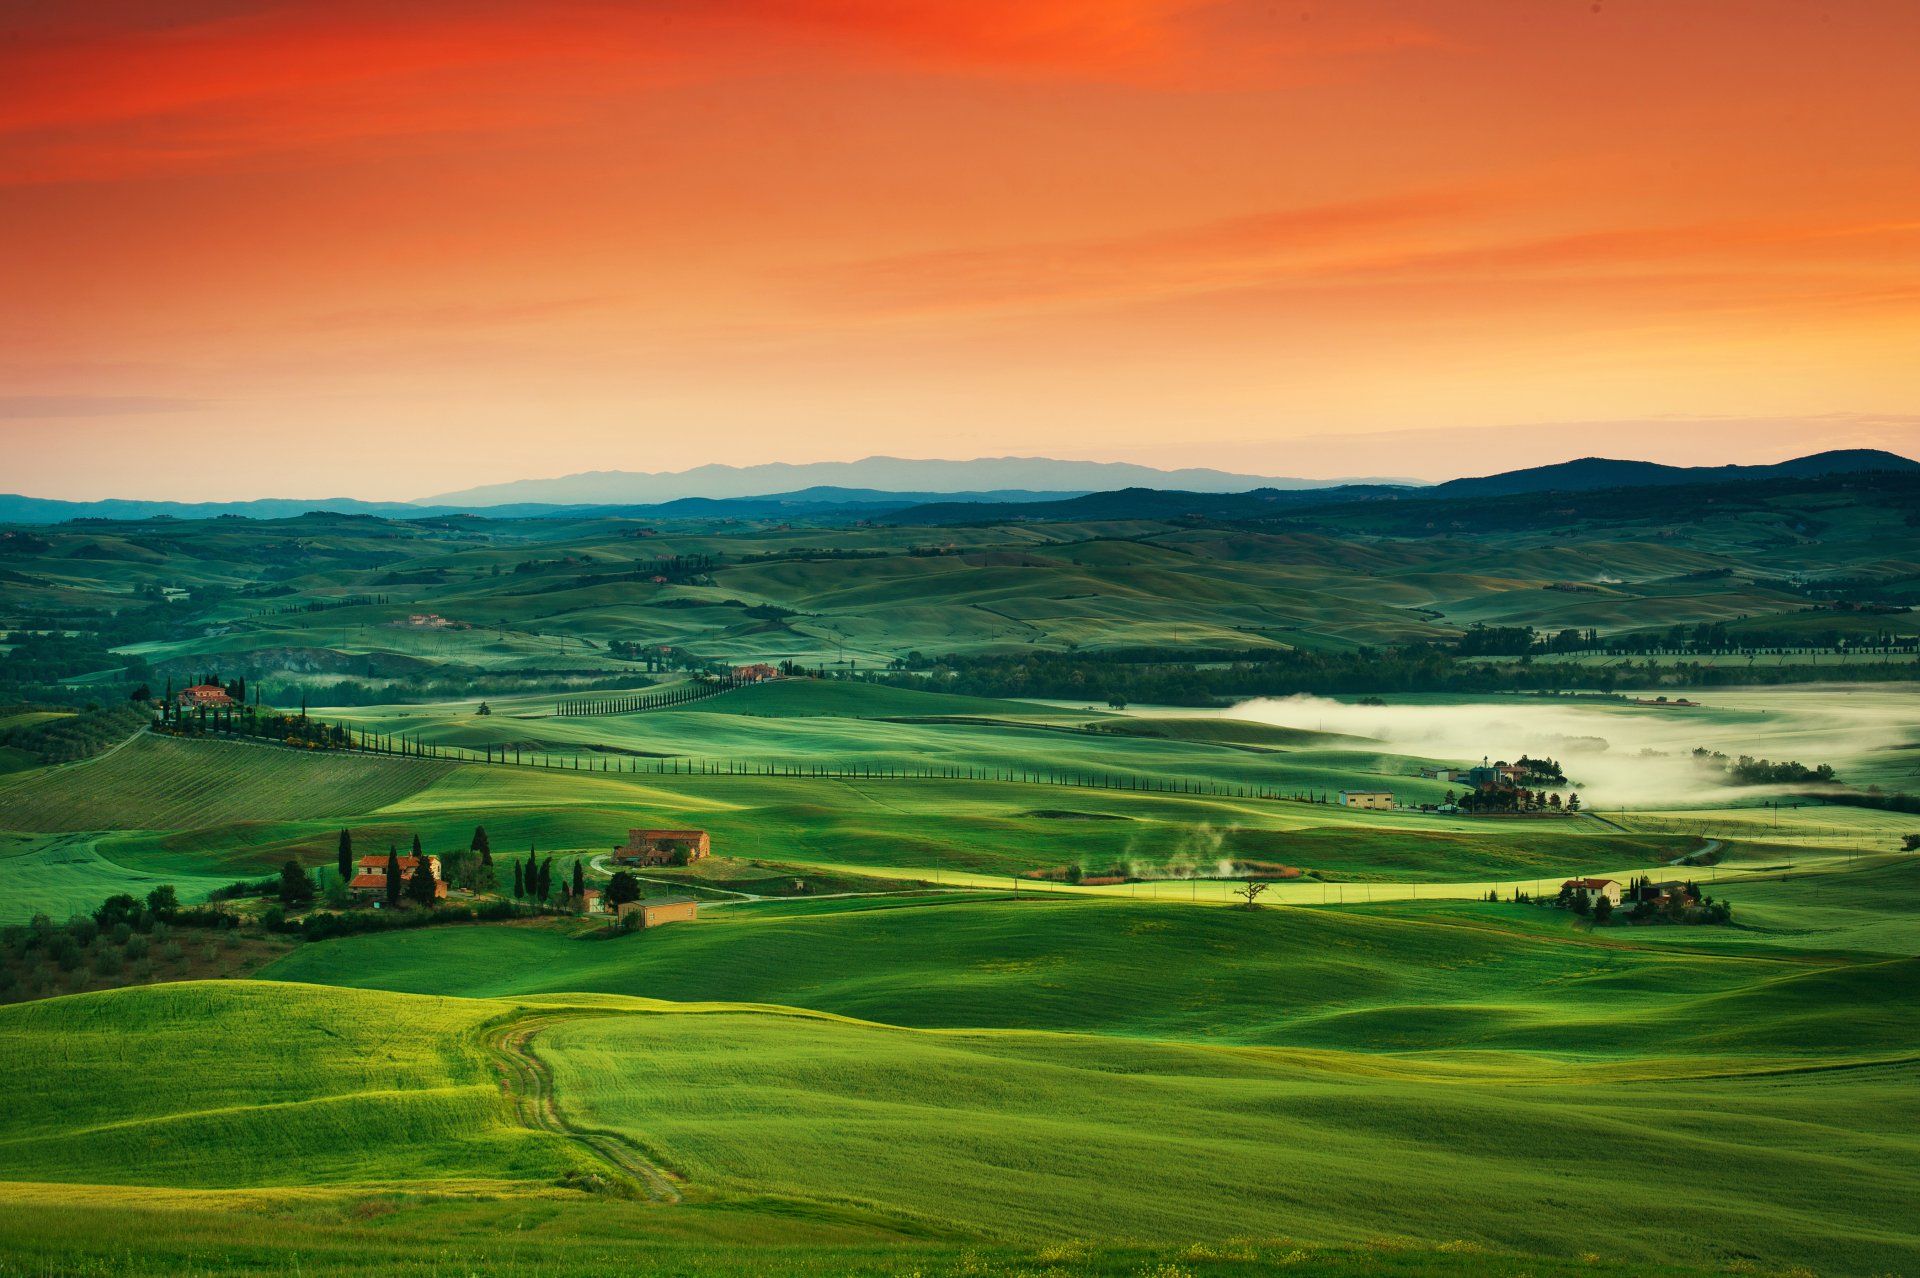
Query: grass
x,y
964,1083
240,1084
62,875
1039,1135
223,810
163,783
86,1230
369,1127
1452,976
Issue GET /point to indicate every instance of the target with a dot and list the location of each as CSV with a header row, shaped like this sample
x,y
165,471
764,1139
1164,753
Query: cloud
x,y
1220,254
39,406
456,315
102,92
1408,243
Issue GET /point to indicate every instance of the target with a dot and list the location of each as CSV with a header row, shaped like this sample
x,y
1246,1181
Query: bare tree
x,y
1252,892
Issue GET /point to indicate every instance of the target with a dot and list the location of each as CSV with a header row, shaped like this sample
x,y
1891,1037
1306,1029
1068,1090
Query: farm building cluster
x,y
663,847
1641,900
370,876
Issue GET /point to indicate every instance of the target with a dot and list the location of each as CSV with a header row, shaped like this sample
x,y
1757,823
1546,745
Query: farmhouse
x,y
204,696
1366,798
370,876
759,672
663,847
659,910
1608,888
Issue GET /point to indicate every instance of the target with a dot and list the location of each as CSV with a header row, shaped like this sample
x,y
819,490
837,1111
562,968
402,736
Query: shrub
x,y
82,929
106,962
136,948
122,934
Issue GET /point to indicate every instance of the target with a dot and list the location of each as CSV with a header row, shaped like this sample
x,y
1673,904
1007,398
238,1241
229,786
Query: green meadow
x,y
898,1040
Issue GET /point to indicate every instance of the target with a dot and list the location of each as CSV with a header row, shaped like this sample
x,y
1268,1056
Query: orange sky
x,y
317,247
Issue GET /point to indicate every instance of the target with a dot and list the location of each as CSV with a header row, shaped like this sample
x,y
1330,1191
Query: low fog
x,y
1615,756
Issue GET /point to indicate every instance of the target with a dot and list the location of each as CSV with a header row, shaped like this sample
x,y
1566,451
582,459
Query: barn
x,y
657,911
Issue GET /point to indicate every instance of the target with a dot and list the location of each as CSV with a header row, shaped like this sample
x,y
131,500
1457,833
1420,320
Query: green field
x,y
897,1040
1014,1136
156,783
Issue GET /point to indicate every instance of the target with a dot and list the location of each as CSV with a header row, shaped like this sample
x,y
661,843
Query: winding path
x,y
528,1082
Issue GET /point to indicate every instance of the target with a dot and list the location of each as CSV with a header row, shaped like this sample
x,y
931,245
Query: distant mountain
x,y
1147,503
15,509
811,503
1592,473
883,474
1047,496
1588,475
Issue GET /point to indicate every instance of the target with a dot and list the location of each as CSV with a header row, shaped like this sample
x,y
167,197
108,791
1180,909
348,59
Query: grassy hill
x,y
1026,1135
1129,1082
533,605
160,783
1445,977
239,1084
1015,1138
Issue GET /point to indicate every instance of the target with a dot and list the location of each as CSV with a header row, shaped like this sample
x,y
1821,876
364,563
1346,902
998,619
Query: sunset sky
x,y
387,249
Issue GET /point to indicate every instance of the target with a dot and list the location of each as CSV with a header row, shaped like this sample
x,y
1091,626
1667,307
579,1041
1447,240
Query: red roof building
x,y
1608,888
371,874
204,696
663,847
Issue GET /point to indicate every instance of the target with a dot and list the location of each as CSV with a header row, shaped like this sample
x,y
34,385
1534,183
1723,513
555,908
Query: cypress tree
x,y
579,881
422,888
532,872
346,856
416,845
393,876
519,887
479,843
546,879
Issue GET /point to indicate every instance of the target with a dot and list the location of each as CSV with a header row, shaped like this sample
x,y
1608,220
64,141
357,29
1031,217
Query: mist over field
x,y
1615,755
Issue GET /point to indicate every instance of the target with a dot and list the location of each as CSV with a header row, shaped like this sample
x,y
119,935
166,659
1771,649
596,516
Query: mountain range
x,y
882,474
907,491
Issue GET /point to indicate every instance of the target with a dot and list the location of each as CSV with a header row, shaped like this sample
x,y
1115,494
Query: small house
x,y
1594,888
1366,798
759,672
370,875
663,847
660,910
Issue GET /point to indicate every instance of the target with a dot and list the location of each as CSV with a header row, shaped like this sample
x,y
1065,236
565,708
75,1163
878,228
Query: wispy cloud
x,y
38,406
1223,253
